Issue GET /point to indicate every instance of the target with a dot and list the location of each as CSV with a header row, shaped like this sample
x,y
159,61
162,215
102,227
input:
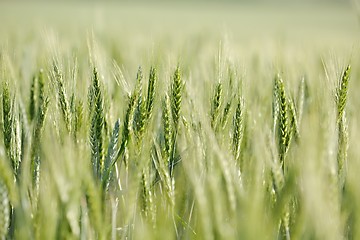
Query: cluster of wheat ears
x,y
153,164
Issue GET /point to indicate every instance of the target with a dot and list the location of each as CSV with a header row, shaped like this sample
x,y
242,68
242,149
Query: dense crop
x,y
181,145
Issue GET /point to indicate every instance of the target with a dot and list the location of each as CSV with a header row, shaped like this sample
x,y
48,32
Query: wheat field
x,y
179,120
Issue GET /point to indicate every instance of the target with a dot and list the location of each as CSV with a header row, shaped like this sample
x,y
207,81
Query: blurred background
x,y
134,30
332,20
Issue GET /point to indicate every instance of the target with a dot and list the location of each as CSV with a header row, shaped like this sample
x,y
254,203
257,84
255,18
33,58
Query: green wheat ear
x,y
226,113
343,133
129,118
238,126
341,93
176,93
151,92
97,125
140,110
294,124
36,139
62,97
284,126
7,122
78,118
111,155
32,104
167,128
215,105
275,107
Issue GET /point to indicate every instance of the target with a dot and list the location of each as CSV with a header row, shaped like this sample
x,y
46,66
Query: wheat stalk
x,y
343,134
4,211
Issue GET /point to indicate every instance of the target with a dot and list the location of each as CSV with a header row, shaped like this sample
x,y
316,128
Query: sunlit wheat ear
x,y
32,104
176,96
167,128
343,134
111,155
151,92
62,97
238,128
41,99
140,110
144,106
284,126
7,122
78,118
41,104
216,104
275,106
294,125
341,93
17,143
96,125
226,113
147,196
128,121
36,139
